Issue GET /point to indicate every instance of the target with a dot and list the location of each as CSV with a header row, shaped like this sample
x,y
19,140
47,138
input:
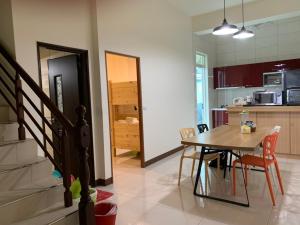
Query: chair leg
x,y
225,165
180,170
270,185
233,178
246,175
206,176
230,161
218,165
193,167
279,177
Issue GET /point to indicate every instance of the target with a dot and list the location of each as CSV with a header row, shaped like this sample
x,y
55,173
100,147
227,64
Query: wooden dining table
x,y
229,138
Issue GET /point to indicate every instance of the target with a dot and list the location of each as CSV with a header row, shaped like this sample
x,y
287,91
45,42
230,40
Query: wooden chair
x,y
265,162
194,155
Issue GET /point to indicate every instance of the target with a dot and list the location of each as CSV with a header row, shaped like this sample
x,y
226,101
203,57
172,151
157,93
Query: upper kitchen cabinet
x,y
250,75
254,77
237,76
230,76
274,66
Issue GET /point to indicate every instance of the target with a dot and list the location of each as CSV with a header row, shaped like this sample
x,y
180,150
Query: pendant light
x,y
225,28
243,33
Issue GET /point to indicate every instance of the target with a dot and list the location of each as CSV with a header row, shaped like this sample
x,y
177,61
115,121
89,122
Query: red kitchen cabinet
x,y
254,78
219,74
230,76
220,117
250,75
234,75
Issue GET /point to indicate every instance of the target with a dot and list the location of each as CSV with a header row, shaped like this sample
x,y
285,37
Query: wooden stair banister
x,y
37,90
78,133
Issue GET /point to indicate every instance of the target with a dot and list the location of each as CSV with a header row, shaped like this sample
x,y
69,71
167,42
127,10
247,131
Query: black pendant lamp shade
x,y
225,28
243,33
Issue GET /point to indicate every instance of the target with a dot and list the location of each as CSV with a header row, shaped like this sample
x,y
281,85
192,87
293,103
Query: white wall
x,y
161,36
255,12
6,28
272,41
6,37
66,23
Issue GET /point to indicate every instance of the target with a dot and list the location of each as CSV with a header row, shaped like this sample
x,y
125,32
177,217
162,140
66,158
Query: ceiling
x,y
196,7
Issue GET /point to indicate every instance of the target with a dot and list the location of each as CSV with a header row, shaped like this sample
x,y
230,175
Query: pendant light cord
x,y
243,13
224,10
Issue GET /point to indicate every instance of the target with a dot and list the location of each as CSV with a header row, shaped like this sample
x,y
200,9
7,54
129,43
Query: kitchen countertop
x,y
218,109
266,108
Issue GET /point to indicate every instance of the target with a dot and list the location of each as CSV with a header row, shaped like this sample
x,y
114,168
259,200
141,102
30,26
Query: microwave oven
x,y
273,79
267,98
293,96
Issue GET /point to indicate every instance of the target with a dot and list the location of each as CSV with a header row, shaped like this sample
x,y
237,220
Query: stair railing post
x,y
65,151
86,205
19,107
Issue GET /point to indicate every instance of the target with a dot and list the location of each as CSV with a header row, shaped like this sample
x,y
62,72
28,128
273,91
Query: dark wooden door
x,y
64,92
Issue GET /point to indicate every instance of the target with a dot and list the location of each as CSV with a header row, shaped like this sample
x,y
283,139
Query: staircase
x,y
29,194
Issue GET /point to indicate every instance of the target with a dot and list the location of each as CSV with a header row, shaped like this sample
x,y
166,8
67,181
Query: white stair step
x,y
13,152
8,131
7,114
71,219
57,214
31,205
13,176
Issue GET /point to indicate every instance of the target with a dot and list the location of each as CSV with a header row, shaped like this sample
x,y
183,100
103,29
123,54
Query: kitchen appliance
x,y
293,96
273,79
267,97
291,79
239,101
249,100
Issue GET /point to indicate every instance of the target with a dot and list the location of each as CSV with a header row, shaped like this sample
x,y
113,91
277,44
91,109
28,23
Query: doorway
x,y
64,77
201,78
125,110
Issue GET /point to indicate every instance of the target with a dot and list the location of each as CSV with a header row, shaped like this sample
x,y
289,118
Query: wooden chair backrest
x,y
187,133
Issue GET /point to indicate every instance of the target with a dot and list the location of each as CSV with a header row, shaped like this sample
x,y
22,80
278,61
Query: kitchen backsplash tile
x,y
226,96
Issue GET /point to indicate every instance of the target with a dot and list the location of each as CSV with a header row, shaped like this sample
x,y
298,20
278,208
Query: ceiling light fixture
x,y
243,33
225,28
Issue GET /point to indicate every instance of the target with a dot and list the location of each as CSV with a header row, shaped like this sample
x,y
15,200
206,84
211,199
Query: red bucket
x,y
105,213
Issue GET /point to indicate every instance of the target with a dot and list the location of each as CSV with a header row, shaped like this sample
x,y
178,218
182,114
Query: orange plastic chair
x,y
268,159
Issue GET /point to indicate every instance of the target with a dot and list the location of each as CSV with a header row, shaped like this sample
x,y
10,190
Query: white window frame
x,y
206,117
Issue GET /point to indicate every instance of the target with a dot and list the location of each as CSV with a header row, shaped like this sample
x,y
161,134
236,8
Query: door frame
x,y
84,88
140,105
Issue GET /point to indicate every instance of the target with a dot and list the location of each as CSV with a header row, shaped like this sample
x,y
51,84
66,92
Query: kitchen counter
x,y
264,108
288,117
218,109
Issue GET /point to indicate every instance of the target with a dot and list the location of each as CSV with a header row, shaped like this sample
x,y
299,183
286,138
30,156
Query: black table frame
x,y
205,152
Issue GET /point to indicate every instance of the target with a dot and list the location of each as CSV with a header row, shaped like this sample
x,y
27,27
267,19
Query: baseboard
x,y
162,156
104,182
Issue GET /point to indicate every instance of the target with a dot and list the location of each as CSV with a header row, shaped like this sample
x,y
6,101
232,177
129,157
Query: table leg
x,y
199,170
216,198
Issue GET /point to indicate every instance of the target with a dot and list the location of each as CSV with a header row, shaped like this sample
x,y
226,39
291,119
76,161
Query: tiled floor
x,y
151,196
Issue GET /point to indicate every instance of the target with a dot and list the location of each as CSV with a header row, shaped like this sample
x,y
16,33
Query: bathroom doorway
x,y
125,110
